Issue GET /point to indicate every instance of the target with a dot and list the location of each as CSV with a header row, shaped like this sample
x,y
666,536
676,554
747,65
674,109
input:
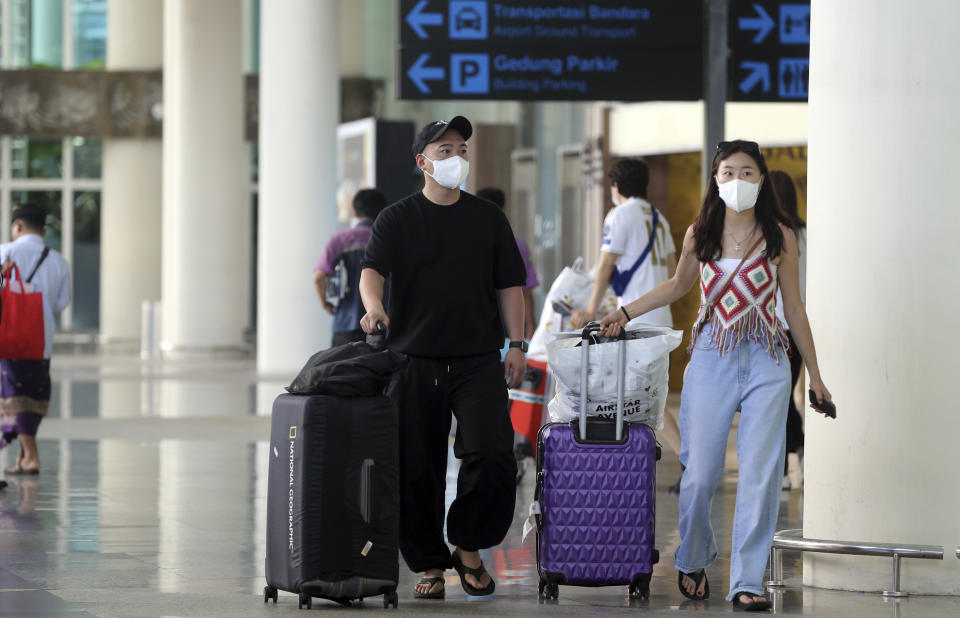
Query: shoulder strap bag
x,y
43,256
621,278
21,319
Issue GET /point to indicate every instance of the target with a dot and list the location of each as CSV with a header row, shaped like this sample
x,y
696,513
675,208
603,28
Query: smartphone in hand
x,y
826,406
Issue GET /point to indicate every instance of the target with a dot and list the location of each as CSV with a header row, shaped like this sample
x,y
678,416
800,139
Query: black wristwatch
x,y
523,345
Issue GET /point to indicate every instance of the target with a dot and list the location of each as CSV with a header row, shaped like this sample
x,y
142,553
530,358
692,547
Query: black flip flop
x,y
755,606
697,577
436,594
478,572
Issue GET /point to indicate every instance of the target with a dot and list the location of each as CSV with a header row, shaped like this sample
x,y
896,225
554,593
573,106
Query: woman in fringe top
x,y
741,252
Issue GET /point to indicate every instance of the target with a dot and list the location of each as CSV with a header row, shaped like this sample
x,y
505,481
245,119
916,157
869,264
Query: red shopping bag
x,y
21,319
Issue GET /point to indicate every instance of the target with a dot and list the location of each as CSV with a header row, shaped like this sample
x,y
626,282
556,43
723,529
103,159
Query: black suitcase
x,y
333,499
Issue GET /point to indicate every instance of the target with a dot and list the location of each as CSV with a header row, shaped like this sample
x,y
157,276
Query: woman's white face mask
x,y
739,195
450,173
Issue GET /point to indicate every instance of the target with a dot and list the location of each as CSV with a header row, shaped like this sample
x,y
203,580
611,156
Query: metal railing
x,y
794,540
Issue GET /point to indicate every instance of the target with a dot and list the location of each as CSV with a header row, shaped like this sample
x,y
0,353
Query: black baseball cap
x,y
432,132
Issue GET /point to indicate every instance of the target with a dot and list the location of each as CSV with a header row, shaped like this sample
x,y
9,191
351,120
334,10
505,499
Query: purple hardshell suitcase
x,y
596,492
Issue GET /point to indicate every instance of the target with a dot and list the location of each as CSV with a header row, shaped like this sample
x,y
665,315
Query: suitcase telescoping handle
x,y
586,337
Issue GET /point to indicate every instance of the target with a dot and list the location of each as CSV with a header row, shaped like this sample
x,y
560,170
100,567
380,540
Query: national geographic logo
x,y
293,437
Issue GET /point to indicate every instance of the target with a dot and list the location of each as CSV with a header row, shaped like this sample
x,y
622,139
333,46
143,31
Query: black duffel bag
x,y
358,369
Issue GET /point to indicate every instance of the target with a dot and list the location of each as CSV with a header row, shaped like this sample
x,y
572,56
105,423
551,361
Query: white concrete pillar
x,y
132,181
299,111
881,288
206,240
130,223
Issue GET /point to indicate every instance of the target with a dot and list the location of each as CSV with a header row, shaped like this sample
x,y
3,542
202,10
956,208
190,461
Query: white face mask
x,y
449,173
739,194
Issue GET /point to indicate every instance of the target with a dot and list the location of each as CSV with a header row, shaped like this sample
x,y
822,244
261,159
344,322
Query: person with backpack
x,y
344,251
25,383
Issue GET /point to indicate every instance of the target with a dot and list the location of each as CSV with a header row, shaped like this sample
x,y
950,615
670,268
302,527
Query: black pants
x,y
794,420
425,392
348,336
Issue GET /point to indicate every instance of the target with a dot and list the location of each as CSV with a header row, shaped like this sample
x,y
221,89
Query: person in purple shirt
x,y
497,197
346,248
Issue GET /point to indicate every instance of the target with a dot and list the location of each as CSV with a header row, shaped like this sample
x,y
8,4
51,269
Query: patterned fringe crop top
x,y
746,311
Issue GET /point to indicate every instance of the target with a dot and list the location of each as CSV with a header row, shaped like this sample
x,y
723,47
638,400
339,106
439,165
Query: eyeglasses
x,y
741,144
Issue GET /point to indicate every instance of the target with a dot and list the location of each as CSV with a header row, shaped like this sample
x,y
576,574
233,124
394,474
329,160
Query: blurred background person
x,y
787,194
344,253
496,196
25,384
637,254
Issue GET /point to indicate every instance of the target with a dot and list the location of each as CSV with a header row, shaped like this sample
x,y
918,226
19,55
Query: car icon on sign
x,y
468,17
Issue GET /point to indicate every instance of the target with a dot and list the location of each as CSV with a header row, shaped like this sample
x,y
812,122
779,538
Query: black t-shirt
x,y
446,265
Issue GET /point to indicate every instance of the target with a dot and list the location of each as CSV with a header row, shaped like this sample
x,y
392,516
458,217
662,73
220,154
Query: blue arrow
x,y
759,71
762,24
417,19
419,73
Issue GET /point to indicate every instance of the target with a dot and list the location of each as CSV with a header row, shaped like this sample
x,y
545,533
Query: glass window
x,y
49,200
19,34
90,34
46,34
36,158
85,266
251,37
87,157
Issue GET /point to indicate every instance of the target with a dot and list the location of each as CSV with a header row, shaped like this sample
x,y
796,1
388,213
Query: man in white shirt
x,y
632,230
25,383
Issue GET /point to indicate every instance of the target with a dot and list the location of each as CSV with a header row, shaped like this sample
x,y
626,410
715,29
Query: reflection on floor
x,y
151,502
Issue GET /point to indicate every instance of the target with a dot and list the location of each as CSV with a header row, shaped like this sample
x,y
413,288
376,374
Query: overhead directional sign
x,y
475,73
769,50
762,23
418,19
551,49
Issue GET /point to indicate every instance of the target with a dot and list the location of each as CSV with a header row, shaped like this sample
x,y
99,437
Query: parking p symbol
x,y
470,73
468,69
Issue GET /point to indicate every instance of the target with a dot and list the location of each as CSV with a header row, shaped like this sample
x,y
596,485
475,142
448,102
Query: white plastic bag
x,y
645,375
572,286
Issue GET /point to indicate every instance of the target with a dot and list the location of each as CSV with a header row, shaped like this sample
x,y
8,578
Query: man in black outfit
x,y
451,257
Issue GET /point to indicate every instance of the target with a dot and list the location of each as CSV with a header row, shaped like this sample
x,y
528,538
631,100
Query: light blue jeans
x,y
747,379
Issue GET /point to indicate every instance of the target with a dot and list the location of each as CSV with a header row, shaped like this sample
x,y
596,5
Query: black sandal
x,y
698,577
436,594
463,570
755,605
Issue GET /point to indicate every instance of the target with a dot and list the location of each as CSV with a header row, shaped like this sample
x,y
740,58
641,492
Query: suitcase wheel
x,y
548,590
390,598
306,601
640,587
269,592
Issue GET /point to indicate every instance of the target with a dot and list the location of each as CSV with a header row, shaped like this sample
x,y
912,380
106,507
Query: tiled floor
x,y
151,503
